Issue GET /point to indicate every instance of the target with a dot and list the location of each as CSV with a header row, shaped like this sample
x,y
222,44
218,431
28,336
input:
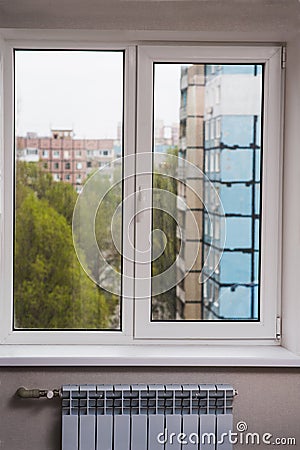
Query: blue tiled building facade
x,y
232,163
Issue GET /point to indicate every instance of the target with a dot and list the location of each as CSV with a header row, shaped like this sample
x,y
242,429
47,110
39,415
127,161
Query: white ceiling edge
x,y
136,36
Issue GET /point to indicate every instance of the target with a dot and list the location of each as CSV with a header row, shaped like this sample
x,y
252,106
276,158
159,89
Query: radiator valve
x,y
37,393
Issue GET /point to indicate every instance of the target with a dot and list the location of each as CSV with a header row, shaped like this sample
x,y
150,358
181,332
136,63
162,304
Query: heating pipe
x,y
38,393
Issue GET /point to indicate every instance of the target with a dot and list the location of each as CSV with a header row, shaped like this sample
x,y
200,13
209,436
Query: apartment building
x,y
189,190
220,122
165,136
67,158
232,151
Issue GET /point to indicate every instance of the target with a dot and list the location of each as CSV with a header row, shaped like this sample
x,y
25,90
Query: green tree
x,y
61,196
102,200
51,289
164,304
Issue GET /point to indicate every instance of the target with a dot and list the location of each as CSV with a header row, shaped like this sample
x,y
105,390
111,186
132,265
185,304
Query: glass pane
x,y
68,122
207,153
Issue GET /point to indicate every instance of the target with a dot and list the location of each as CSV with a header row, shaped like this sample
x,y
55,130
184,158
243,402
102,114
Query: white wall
x,y
291,202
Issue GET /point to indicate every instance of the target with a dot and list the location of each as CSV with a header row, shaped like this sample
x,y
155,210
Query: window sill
x,y
147,355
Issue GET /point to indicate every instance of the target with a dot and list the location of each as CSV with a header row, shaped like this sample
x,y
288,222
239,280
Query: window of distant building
x,y
217,94
218,127
212,129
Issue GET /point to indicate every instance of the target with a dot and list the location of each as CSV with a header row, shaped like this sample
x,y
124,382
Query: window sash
x,y
7,334
271,191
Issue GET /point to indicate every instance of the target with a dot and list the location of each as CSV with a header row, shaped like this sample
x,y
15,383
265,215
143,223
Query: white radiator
x,y
146,417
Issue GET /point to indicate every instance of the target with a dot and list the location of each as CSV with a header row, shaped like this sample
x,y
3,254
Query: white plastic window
x,y
136,279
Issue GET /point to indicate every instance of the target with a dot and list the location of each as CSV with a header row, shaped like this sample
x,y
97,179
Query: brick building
x,y
190,209
66,158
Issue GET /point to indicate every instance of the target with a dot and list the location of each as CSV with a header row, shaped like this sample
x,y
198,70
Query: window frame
x,y
14,354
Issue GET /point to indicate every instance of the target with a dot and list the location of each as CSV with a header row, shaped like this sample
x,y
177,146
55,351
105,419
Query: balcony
x,y
180,233
180,264
181,173
181,204
184,81
28,155
182,113
182,144
180,293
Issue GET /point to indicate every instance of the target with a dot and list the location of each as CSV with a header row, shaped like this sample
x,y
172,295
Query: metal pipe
x,y
23,392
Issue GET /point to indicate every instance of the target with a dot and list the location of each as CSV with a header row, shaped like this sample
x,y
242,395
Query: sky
x,y
167,92
82,90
